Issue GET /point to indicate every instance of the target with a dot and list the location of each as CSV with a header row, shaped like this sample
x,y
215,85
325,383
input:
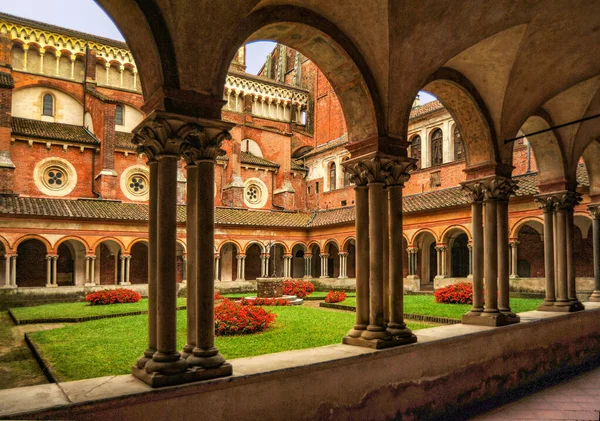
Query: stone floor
x,y
575,399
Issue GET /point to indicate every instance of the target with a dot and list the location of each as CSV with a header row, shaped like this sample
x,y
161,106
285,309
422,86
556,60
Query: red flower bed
x,y
218,296
232,318
298,287
113,296
461,293
335,296
264,302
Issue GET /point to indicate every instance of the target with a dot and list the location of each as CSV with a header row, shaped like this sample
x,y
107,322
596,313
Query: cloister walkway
x,y
575,399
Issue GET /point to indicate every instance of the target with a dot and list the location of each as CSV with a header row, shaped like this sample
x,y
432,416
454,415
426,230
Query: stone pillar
x,y
7,283
164,137
263,266
217,260
503,255
571,277
513,261
243,265
184,275
547,206
490,237
127,269
241,262
122,272
87,270
307,265
13,271
595,212
385,220
287,266
396,326
324,257
48,271
470,247
441,260
343,264
93,271
54,280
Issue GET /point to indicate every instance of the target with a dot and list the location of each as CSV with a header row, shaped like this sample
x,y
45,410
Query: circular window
x,y
138,184
255,193
55,176
135,183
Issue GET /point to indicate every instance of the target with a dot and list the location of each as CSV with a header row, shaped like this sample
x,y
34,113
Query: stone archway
x,y
31,263
139,263
228,262
71,263
298,252
459,256
108,263
253,262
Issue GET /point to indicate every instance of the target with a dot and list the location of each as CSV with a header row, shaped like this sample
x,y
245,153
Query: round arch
x,y
326,46
423,231
32,237
311,245
583,221
533,221
453,230
137,240
330,242
103,239
286,250
591,158
71,237
251,243
348,240
229,241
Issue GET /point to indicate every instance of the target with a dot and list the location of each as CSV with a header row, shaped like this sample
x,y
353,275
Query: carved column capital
x,y
470,246
545,202
594,210
163,133
442,247
378,167
473,190
514,243
566,199
499,188
412,250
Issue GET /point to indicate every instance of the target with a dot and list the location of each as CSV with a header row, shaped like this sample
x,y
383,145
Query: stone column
x,y
48,271
122,272
324,257
503,243
263,265
240,258
87,270
562,299
343,264
571,279
217,260
184,269
127,267
93,271
547,205
7,283
396,326
470,247
438,250
475,190
491,255
13,271
307,265
287,266
513,247
385,220
595,212
54,279
242,263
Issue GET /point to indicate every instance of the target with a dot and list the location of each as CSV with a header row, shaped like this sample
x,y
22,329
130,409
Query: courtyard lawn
x,y
111,346
315,295
80,309
426,305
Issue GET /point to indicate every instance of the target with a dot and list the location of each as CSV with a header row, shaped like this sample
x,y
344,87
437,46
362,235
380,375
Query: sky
x,y
87,16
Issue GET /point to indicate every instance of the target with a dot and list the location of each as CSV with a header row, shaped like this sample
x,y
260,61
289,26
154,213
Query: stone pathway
x,y
576,399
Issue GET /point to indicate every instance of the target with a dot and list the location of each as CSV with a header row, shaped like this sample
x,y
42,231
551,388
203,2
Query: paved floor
x,y
576,399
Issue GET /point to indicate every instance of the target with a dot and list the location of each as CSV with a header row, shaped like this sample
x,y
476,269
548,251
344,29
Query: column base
x,y
124,284
490,319
595,297
514,276
188,350
9,286
307,277
143,360
323,277
342,277
194,374
51,286
379,343
356,331
567,306
89,284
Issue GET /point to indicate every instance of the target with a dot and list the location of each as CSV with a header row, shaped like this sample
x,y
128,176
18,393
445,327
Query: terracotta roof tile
x,y
6,80
225,216
342,140
52,131
248,158
333,216
425,109
123,140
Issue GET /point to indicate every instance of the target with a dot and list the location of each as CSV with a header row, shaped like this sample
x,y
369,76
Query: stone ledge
x,y
453,371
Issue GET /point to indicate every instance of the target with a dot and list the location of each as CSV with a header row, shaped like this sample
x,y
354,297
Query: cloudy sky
x,y
87,16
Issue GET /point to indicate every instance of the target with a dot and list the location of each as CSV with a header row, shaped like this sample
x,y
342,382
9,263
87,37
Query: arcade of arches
x,y
496,80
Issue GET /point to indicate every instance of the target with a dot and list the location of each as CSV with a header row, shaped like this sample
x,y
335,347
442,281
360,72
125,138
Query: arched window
x,y
415,150
459,148
346,175
119,115
437,157
48,105
332,176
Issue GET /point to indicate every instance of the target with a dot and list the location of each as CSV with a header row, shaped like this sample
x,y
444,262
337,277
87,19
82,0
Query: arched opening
x,y
459,147
426,259
253,262
70,267
228,262
315,262
139,263
332,176
3,262
459,256
583,248
437,148
276,261
333,260
108,263
415,149
351,259
530,250
298,261
31,263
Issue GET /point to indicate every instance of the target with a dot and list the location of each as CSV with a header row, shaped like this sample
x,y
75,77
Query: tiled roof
x,y
248,158
52,131
342,140
297,167
425,109
112,210
6,80
123,140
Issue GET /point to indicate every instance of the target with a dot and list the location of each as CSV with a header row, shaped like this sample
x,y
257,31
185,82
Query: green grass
x,y
110,346
80,309
425,304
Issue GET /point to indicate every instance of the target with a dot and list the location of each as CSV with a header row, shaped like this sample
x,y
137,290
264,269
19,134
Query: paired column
x,y
164,137
490,245
191,230
51,271
10,271
513,259
241,267
264,259
287,266
412,260
379,229
324,257
124,278
595,212
547,205
90,270
441,260
307,265
343,265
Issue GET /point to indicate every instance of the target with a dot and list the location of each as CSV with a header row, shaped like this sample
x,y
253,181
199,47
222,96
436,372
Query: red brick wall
x,y
107,267
138,265
328,116
583,251
531,249
64,265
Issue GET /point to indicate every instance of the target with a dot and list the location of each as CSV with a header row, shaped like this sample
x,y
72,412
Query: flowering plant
x,y
461,293
264,302
335,296
232,318
218,296
298,287
113,296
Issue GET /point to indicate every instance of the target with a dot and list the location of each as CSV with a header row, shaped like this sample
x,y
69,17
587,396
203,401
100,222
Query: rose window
x,y
55,178
253,194
137,184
